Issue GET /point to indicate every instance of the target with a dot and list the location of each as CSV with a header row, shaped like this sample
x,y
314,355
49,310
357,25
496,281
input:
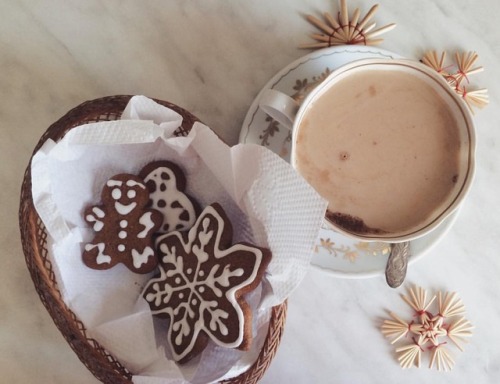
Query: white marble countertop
x,y
212,58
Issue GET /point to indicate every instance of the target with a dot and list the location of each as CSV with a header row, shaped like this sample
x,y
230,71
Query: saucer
x,y
334,253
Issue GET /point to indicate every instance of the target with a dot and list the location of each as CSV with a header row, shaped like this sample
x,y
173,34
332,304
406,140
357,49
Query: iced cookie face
x,y
125,193
200,285
123,227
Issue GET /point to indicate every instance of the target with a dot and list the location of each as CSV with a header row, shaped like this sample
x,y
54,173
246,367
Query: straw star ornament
x,y
457,75
428,331
346,29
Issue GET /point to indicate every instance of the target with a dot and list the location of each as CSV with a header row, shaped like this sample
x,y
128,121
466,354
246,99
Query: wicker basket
x,y
34,240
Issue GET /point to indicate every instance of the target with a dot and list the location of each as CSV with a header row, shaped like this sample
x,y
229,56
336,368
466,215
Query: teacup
x,y
387,142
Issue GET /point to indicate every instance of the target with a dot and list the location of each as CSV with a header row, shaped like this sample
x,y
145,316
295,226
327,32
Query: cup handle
x,y
279,106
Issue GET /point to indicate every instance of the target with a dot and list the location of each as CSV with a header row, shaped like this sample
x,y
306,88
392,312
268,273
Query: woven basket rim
x,y
101,363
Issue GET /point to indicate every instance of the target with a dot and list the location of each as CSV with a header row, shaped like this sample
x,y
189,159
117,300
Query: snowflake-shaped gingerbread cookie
x,y
200,286
123,227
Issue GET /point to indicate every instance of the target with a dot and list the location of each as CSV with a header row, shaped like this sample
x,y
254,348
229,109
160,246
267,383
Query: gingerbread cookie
x,y
166,184
200,285
123,227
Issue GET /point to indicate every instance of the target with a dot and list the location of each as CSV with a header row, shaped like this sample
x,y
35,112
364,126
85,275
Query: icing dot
x,y
177,280
121,247
122,234
189,271
201,289
194,302
201,273
116,193
181,295
151,186
123,224
131,194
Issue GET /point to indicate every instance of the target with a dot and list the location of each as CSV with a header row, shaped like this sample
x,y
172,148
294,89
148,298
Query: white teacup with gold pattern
x,y
387,142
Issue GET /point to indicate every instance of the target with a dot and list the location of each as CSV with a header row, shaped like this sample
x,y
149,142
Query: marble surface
x,y
212,58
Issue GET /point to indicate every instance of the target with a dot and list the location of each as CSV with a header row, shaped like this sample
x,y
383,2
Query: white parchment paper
x,y
268,203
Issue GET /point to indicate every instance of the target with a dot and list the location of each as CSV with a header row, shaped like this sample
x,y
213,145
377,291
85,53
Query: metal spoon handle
x,y
397,263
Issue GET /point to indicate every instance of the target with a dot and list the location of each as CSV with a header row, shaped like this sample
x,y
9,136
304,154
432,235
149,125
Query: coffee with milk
x,y
383,148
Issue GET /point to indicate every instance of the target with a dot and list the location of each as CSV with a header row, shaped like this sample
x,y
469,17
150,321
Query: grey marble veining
x,y
212,58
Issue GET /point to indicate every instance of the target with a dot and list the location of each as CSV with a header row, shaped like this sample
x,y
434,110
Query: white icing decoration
x,y
94,217
146,221
114,183
133,183
198,283
138,258
216,322
116,194
203,237
124,209
101,257
171,216
141,258
152,297
98,212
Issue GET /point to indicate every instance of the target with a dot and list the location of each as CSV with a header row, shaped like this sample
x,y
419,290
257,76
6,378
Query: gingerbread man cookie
x,y
166,184
123,227
201,283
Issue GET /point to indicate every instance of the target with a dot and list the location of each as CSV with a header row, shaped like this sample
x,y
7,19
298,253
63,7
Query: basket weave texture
x,y
34,241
